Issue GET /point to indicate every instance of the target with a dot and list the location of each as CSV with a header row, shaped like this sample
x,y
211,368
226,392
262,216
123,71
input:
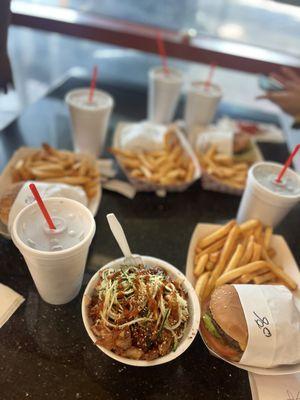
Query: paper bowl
x,y
283,257
191,329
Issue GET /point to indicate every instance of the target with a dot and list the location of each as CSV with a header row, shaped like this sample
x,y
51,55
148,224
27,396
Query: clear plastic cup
x,y
261,202
201,104
163,94
57,274
89,120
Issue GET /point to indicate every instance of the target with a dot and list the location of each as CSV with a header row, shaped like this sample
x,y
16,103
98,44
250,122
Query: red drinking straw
x,y
42,206
287,164
162,52
93,83
210,75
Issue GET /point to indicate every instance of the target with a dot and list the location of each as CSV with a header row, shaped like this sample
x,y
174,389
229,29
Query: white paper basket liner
x,y
273,322
223,139
283,257
150,187
6,181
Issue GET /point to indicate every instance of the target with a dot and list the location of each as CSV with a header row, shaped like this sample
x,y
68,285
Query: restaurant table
x,y
45,351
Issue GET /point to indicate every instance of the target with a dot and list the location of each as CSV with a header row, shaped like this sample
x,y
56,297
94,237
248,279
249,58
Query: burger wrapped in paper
x,y
18,195
253,325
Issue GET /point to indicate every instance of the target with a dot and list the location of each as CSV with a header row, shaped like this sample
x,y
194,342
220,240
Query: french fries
x,y
61,166
237,254
224,168
169,166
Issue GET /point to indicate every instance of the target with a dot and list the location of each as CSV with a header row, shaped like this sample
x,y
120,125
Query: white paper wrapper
x,y
46,190
273,321
150,187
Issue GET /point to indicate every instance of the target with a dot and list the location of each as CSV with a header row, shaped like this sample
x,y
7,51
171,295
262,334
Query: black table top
x,y
44,350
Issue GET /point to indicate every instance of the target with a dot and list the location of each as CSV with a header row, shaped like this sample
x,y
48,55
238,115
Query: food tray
x,y
209,182
6,180
149,187
283,257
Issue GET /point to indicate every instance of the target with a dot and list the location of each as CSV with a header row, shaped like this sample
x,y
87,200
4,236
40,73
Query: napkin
x,y
279,387
9,302
124,188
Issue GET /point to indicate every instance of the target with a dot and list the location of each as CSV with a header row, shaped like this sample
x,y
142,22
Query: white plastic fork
x,y
120,237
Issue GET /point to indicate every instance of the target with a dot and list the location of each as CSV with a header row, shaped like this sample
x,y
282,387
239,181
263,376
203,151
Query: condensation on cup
x,y
201,104
89,120
163,94
56,258
266,200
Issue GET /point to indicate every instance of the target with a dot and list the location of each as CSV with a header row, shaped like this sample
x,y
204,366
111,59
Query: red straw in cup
x,y
287,164
41,205
210,76
93,83
162,52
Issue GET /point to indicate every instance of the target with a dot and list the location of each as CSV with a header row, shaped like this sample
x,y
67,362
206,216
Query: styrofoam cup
x,y
201,104
261,203
193,306
56,274
89,122
163,94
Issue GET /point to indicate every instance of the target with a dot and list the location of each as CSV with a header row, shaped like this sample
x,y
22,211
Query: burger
x,y
223,325
243,148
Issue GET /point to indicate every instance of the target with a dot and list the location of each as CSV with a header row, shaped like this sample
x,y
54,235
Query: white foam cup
x,y
201,104
56,274
163,94
260,202
89,120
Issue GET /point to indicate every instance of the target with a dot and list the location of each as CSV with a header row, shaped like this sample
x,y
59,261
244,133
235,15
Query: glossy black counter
x,y
44,350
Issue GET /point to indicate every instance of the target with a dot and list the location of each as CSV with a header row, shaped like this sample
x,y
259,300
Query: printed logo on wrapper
x,y
46,190
273,322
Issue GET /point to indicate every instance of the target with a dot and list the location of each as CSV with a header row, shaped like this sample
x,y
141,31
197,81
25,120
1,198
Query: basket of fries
x,y
223,173
243,254
173,168
47,164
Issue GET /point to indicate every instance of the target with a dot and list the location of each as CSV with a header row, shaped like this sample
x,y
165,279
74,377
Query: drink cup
x,y
266,200
163,94
55,258
201,104
89,120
